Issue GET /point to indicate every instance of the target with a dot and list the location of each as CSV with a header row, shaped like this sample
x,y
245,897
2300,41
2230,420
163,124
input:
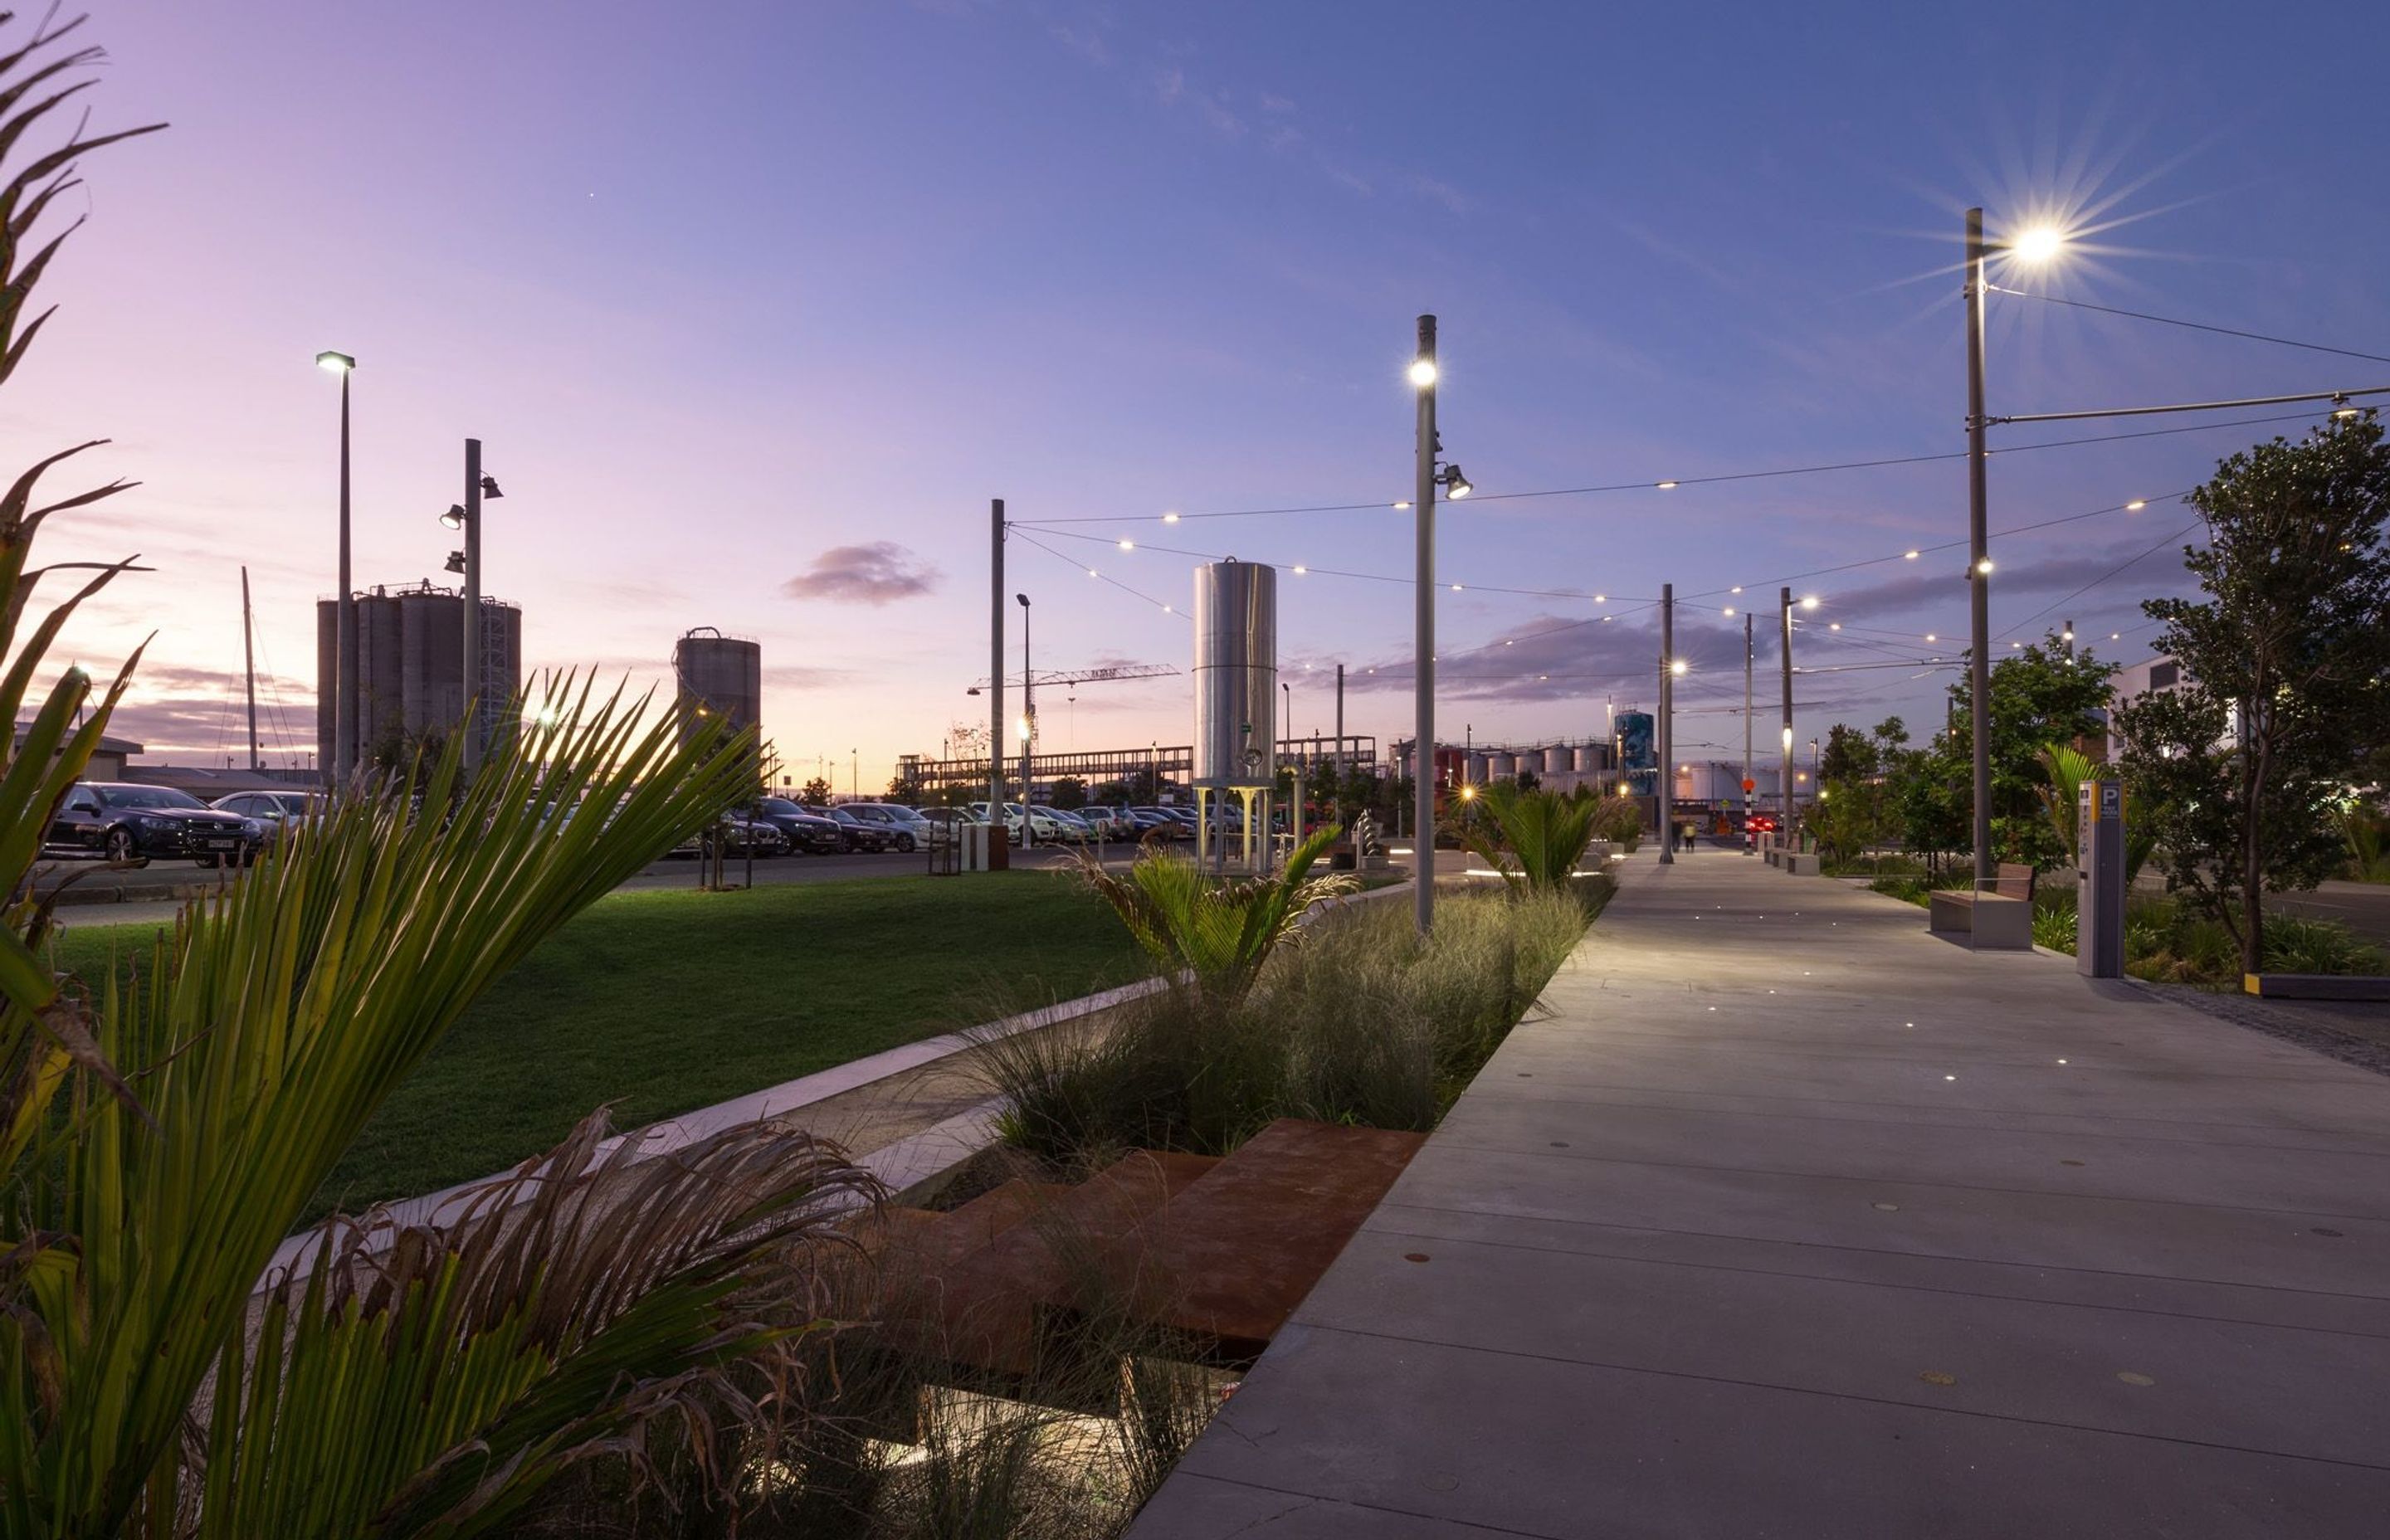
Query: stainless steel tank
x,y
1500,766
1559,760
1236,673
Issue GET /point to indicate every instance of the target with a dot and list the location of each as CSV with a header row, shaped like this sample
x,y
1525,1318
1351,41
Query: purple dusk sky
x,y
755,305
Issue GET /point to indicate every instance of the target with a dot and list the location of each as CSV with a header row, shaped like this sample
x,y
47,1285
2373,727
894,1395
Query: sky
x,y
755,307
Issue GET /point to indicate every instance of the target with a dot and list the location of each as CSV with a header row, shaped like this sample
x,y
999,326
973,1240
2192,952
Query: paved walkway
x,y
1791,1220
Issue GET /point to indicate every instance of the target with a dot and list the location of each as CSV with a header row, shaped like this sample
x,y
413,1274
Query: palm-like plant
x,y
2063,771
157,1141
1208,934
1543,833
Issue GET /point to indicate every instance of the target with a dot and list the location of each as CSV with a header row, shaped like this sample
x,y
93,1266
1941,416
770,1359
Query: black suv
x,y
807,831
124,822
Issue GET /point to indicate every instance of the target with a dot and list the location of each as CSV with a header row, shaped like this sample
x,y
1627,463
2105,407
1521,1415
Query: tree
x,y
1068,791
2039,694
2282,664
815,791
904,789
1850,757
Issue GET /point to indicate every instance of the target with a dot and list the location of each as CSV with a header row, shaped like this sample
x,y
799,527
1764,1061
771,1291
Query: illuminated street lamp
x,y
2035,246
345,606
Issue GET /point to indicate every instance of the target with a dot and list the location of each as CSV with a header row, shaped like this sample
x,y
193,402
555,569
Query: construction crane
x,y
1075,678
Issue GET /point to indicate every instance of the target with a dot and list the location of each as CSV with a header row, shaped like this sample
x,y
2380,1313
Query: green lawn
x,y
662,1001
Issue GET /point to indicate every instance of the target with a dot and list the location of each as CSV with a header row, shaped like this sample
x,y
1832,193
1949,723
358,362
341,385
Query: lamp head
x,y
1022,599
455,518
490,487
337,363
456,561
2038,244
1423,372
1456,485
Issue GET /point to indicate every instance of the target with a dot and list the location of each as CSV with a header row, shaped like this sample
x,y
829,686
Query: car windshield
x,y
148,796
779,807
298,804
843,817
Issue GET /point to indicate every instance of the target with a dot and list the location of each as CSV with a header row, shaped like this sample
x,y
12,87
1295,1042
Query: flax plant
x,y
158,1139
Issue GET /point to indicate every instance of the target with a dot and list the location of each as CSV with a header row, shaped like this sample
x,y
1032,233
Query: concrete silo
x,y
410,683
718,676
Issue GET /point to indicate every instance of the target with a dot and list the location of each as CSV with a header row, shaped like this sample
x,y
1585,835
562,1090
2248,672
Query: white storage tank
x,y
1501,767
1236,673
1559,760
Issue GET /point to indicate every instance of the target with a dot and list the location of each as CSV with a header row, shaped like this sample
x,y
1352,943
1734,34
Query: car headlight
x,y
251,830
146,821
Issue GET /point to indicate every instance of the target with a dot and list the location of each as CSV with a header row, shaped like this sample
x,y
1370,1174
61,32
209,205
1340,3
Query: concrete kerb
x,y
915,1162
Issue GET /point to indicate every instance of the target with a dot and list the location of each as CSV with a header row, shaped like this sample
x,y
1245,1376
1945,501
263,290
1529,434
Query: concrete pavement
x,y
1791,1220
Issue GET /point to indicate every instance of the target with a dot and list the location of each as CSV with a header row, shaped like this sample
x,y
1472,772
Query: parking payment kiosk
x,y
2099,860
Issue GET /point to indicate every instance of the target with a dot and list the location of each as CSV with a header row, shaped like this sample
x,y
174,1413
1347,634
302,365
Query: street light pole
x,y
1748,846
1667,724
344,604
998,839
1785,606
1028,729
1424,638
1340,733
474,705
1979,561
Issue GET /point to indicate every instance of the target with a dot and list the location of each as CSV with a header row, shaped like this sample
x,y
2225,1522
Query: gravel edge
x,y
2243,1011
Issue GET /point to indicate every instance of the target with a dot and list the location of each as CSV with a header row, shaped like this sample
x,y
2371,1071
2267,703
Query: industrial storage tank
x,y
1559,760
718,675
1500,766
1476,775
1236,673
1637,750
410,680
1593,758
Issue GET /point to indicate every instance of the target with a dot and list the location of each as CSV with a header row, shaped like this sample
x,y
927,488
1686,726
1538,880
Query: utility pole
x,y
1979,561
1667,724
1748,846
473,702
1340,735
249,671
1423,638
999,848
1784,605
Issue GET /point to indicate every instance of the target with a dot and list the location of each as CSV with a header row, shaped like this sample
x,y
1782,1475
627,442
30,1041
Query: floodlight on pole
x,y
1423,372
455,518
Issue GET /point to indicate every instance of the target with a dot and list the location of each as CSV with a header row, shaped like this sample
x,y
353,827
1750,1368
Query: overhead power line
x,y
1670,482
2192,326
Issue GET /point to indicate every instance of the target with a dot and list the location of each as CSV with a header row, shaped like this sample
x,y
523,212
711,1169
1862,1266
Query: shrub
x,y
1908,890
1544,832
1216,935
2296,944
1364,1023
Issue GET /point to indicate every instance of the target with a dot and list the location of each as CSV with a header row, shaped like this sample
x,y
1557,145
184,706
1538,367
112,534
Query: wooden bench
x,y
1997,920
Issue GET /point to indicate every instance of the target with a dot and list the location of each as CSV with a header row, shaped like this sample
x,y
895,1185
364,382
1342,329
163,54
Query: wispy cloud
x,y
879,572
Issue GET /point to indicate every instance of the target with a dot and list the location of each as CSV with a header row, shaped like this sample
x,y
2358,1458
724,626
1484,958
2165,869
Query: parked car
x,y
1111,823
124,822
863,833
1161,823
804,830
951,820
276,813
913,831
